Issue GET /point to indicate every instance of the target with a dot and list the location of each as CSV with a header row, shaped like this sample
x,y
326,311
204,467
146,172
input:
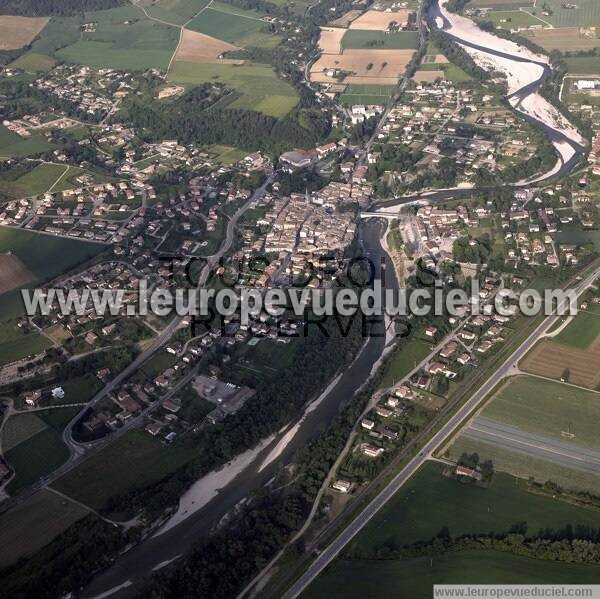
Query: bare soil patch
x,y
380,21
428,76
13,273
330,40
198,47
16,32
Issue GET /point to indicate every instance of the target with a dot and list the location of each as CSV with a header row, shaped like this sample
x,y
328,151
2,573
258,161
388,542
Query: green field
x,y
35,182
513,18
32,62
44,516
239,29
583,330
38,456
175,11
547,408
585,65
20,428
414,578
226,154
14,146
455,74
430,501
131,461
374,40
574,234
22,347
525,466
258,84
124,39
403,361
367,94
586,13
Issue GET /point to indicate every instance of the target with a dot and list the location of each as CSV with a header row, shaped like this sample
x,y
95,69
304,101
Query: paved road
x,y
329,553
562,452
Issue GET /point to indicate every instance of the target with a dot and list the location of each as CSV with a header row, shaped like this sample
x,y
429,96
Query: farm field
x,y
16,32
44,516
133,460
431,501
234,27
23,347
37,181
32,62
547,408
367,94
380,21
586,13
377,67
555,360
575,235
124,39
174,11
524,466
12,145
199,47
13,273
330,39
363,38
258,85
512,19
18,429
565,39
428,76
36,457
414,578
583,330
584,65
501,4
346,18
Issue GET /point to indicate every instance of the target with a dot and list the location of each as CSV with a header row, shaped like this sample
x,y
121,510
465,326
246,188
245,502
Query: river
x,y
255,468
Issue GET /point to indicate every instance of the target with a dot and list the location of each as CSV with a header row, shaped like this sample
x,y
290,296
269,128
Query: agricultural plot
x,y
257,85
587,12
13,273
174,11
366,39
23,347
346,18
513,19
330,39
124,39
44,516
380,21
14,146
565,39
583,65
199,47
557,361
16,32
32,62
583,330
428,75
18,429
242,30
501,4
37,181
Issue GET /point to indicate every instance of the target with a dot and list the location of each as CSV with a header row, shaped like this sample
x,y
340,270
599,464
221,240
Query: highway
x,y
447,430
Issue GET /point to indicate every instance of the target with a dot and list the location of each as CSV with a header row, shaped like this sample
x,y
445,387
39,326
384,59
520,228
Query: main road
x,y
447,430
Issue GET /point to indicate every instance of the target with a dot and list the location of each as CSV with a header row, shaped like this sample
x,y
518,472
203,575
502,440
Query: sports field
x,y
587,12
367,94
16,32
366,39
44,516
258,85
414,578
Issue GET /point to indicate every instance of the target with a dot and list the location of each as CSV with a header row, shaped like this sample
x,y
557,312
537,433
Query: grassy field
x,y
20,428
38,456
583,330
524,466
366,94
22,347
404,361
235,26
131,461
512,19
124,39
414,578
373,40
586,13
44,516
35,182
585,65
258,84
32,62
175,11
226,154
431,501
547,408
14,146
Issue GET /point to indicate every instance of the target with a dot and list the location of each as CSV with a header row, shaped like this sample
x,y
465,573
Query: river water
x,y
163,548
